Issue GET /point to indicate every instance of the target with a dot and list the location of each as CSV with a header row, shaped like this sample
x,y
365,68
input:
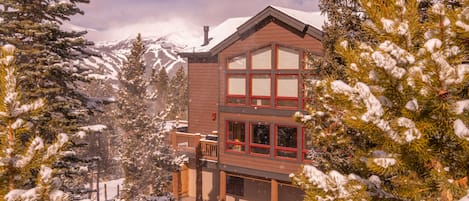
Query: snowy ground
x,y
111,187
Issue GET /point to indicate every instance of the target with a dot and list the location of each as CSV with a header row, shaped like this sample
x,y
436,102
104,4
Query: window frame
x,y
230,142
251,55
300,56
277,98
257,145
282,148
251,96
236,96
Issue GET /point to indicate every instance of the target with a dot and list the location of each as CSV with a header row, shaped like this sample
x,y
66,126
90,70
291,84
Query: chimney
x,y
206,28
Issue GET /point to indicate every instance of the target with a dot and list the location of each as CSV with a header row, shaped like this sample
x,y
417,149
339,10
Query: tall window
x,y
236,139
286,141
260,90
260,139
236,89
287,91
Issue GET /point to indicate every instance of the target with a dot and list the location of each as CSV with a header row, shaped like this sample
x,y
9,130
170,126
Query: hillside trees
x,y
403,110
178,96
26,160
145,156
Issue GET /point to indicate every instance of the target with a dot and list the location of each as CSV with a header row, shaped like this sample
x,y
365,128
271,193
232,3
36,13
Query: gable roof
x,y
231,29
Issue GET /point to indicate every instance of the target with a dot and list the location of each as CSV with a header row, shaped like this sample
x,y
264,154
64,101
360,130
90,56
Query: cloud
x,y
120,19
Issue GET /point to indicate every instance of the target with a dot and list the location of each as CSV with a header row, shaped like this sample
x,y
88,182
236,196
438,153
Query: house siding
x,y
203,97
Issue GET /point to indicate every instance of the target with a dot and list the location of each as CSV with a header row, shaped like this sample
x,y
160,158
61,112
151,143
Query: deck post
x,y
222,185
176,185
274,190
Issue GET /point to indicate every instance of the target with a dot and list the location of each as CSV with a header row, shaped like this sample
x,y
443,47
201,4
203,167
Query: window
x,y
260,90
287,58
287,91
286,142
235,185
307,143
236,138
237,63
236,90
260,139
262,59
266,77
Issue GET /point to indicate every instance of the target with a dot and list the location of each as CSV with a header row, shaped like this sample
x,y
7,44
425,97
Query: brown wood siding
x,y
271,33
203,96
256,162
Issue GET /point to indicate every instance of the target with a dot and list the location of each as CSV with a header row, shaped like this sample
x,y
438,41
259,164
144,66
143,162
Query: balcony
x,y
190,143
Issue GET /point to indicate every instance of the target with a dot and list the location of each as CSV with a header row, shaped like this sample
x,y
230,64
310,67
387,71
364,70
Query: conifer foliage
x,y
178,97
146,157
25,159
404,107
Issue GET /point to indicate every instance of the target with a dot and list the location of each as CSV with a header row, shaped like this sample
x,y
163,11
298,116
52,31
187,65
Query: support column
x,y
176,185
273,190
222,185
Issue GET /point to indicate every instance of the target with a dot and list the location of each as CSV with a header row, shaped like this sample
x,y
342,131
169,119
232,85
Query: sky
x,y
110,20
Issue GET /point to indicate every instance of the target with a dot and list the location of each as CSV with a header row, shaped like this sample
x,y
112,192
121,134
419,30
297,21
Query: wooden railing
x,y
209,149
187,143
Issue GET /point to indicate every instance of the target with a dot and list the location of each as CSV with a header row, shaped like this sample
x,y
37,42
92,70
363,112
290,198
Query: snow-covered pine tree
x,y
46,64
407,97
344,19
146,158
178,96
25,159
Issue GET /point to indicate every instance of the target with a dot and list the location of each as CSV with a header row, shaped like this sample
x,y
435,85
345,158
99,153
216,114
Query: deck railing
x,y
209,149
187,143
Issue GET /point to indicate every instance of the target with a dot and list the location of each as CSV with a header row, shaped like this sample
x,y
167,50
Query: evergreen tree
x,y
344,22
163,85
46,65
404,108
146,158
24,156
178,95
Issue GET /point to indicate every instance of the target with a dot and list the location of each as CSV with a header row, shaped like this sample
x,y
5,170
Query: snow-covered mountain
x,y
160,52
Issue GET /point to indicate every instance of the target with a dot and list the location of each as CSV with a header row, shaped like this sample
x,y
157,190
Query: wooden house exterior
x,y
245,85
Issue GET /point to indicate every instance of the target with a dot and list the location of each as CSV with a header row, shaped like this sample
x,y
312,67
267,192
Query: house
x,y
245,84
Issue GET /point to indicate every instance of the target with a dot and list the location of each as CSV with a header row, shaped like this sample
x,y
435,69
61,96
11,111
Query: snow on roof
x,y
315,19
229,26
221,32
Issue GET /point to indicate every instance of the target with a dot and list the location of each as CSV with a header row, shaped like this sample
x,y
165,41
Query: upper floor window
x,y
236,89
261,59
260,139
237,63
236,138
271,75
287,58
286,141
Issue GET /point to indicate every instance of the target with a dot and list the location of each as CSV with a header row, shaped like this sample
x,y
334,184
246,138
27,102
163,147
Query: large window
x,y
262,59
287,91
236,90
260,90
287,58
236,139
286,141
266,77
260,139
234,185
